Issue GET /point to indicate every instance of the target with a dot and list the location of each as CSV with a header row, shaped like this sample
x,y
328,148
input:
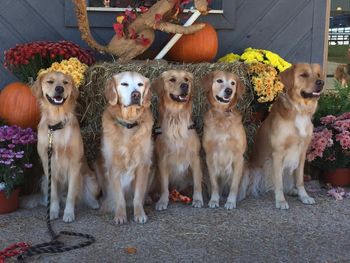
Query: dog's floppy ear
x,y
287,77
75,90
318,69
240,90
147,96
36,88
158,86
207,83
111,92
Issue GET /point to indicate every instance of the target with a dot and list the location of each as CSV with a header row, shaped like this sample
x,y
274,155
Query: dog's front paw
x,y
197,203
120,218
230,205
141,218
162,205
307,200
282,205
68,216
213,203
54,214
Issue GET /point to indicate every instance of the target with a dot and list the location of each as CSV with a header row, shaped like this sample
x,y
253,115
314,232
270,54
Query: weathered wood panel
x,y
295,29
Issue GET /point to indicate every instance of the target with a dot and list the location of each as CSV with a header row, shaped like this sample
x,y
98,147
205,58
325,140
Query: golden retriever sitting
x,y
342,74
57,97
127,144
224,138
177,146
283,138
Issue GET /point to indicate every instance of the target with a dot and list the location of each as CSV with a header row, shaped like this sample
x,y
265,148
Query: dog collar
x,y
57,126
126,124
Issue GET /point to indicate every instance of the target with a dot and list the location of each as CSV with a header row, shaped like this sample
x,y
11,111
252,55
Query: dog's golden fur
x,y
127,153
342,74
224,138
177,147
69,166
282,139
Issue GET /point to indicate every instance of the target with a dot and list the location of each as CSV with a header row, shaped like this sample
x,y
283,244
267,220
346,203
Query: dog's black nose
x,y
59,89
228,91
184,88
135,96
319,83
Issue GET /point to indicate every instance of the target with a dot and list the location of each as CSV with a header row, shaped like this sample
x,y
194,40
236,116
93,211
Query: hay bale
x,y
92,101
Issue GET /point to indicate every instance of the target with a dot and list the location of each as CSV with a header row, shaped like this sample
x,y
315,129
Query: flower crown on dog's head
x,y
72,67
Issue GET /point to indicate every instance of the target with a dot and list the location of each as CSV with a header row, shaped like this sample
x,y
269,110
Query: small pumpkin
x,y
201,46
18,106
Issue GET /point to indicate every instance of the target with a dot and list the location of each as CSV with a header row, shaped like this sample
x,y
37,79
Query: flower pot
x,y
337,177
11,204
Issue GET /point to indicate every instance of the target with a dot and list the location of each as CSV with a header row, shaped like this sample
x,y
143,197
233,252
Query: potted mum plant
x,y
329,150
263,69
15,148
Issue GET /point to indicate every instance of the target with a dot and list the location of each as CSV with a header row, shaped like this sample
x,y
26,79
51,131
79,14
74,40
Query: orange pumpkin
x,y
18,106
201,46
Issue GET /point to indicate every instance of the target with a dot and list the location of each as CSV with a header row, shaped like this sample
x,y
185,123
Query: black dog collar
x,y
126,124
57,126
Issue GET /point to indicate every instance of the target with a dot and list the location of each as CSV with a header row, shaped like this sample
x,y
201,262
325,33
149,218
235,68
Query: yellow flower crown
x,y
72,67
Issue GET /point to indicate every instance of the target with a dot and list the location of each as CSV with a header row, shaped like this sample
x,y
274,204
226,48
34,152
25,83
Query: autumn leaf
x,y
120,19
143,41
133,34
131,14
158,18
130,250
143,9
118,28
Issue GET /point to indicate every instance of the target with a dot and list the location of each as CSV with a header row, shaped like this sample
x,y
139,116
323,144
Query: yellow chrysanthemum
x,y
71,67
229,58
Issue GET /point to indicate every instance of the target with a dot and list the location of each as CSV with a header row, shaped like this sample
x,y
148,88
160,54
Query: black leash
x,y
54,246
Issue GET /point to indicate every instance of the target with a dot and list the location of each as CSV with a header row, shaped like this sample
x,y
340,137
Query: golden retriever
x,y
342,74
283,138
127,146
224,138
177,146
57,96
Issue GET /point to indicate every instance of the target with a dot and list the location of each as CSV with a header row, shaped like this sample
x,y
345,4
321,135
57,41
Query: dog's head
x,y
303,82
128,90
174,87
55,89
223,89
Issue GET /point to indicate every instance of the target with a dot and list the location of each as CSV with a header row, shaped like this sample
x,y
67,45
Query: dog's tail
x,y
253,183
91,188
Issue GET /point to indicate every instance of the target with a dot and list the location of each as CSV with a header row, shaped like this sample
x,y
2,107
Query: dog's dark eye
x,y
172,80
124,84
186,79
50,81
65,82
140,84
305,75
233,83
219,81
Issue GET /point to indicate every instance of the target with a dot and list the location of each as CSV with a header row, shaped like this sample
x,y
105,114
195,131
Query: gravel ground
x,y
254,232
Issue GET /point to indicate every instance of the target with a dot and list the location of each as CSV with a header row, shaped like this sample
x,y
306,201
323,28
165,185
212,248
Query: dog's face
x,y
223,88
175,87
128,89
54,88
303,81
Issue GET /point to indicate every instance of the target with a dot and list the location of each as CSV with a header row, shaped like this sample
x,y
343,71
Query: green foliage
x,y
334,102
